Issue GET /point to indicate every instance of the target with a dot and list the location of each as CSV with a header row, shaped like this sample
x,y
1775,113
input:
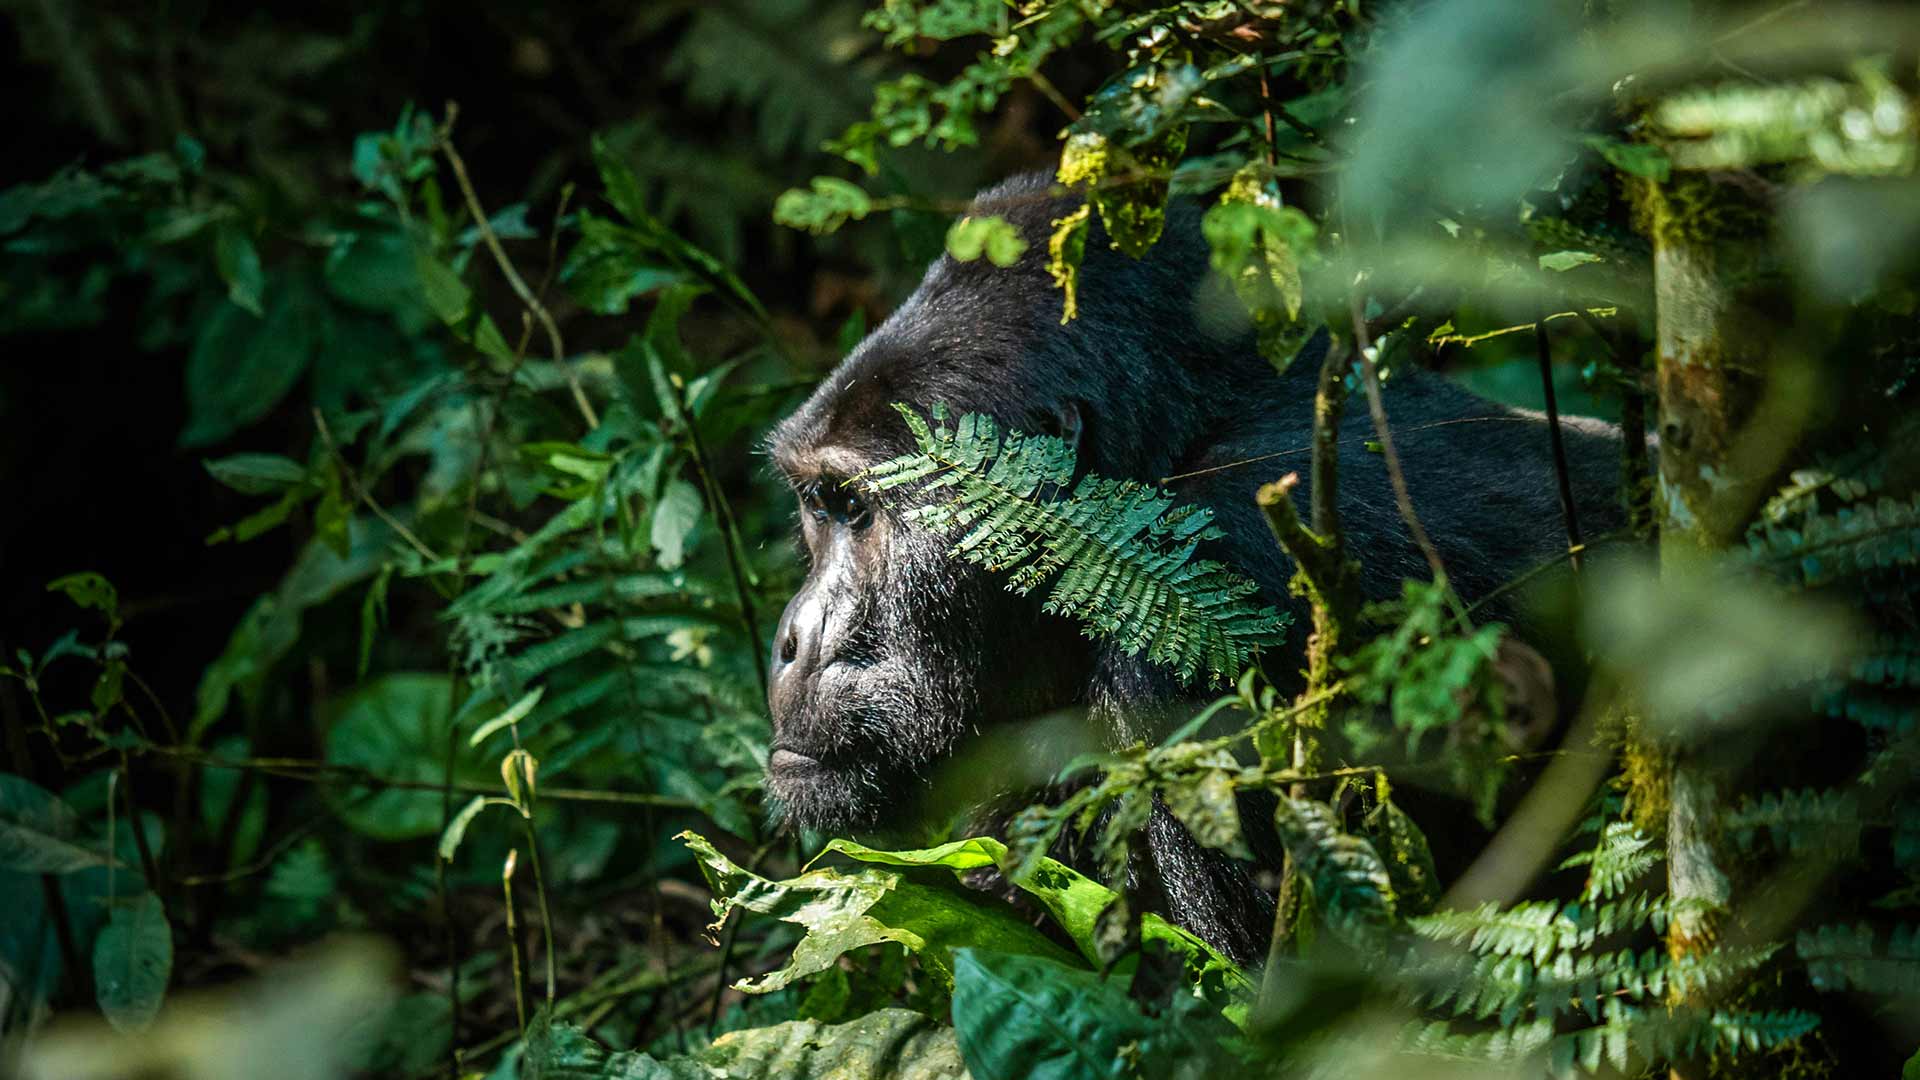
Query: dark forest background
x,y
388,553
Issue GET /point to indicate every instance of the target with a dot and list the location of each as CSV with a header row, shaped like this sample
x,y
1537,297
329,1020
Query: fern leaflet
x,y
1120,555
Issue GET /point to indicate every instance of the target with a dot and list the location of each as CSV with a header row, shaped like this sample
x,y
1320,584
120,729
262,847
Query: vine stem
x,y
1330,580
513,940
1377,409
730,534
520,288
321,772
360,492
1569,514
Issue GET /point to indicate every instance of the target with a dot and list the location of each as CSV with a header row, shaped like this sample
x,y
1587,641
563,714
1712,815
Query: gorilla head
x,y
892,654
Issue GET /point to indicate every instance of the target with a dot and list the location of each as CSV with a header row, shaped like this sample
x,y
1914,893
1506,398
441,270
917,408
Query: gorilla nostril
x,y
789,647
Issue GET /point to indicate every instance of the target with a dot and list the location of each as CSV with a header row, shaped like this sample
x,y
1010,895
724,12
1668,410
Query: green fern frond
x,y
1855,541
1501,1046
1797,822
1647,1034
1541,928
1893,662
1629,1034
1512,987
1870,708
1554,233
1622,854
1119,554
1844,958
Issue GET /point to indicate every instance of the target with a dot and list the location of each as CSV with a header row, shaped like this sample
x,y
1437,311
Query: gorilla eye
x,y
813,497
831,499
855,508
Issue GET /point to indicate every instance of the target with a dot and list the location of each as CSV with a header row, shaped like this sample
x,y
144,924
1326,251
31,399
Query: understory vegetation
x,y
393,565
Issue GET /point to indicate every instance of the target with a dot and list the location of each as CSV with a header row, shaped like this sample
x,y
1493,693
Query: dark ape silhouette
x,y
892,656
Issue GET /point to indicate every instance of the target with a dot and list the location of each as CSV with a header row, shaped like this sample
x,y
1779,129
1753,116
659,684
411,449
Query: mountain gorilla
x,y
893,655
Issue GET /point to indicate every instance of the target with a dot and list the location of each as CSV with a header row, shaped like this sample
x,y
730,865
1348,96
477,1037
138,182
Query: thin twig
x,y
1266,109
730,534
1529,574
1569,514
1378,409
1052,93
323,772
1636,465
519,284
513,940
1357,441
450,934
617,985
361,494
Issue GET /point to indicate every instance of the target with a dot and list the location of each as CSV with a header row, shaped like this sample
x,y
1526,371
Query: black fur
x,y
1158,377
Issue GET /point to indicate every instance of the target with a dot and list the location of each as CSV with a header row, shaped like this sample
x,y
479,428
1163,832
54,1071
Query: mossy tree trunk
x,y
1712,366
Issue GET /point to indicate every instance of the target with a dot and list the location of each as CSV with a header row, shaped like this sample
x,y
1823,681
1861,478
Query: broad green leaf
x,y
39,834
1562,261
375,271
613,264
132,961
307,1019
887,1044
829,204
992,236
623,191
842,911
242,365
1409,861
456,830
398,728
257,474
1134,213
1634,158
674,519
512,716
1028,1018
1351,887
264,520
90,590
272,625
239,266
446,293
1260,245
1209,809
1075,901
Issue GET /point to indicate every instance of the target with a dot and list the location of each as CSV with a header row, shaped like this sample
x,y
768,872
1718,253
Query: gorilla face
x,y
892,654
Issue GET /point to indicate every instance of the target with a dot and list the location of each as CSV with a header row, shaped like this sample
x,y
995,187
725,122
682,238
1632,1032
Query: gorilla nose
x,y
796,641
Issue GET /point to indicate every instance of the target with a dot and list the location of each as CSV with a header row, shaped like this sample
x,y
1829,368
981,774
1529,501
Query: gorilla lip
x,y
786,761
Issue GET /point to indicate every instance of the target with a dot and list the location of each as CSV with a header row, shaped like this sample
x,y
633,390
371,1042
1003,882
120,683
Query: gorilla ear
x,y
1063,423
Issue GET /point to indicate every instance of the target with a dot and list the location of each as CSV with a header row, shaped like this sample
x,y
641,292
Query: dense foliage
x,y
468,782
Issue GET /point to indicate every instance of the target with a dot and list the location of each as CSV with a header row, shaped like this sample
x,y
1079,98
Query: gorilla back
x,y
893,655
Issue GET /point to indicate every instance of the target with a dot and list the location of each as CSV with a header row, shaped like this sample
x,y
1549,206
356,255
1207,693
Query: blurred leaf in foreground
x,y
310,1020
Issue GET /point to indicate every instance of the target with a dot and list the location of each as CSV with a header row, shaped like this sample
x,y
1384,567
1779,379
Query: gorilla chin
x,y
833,768
830,795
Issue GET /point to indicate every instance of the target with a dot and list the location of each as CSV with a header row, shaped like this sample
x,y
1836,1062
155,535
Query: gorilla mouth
x,y
787,762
